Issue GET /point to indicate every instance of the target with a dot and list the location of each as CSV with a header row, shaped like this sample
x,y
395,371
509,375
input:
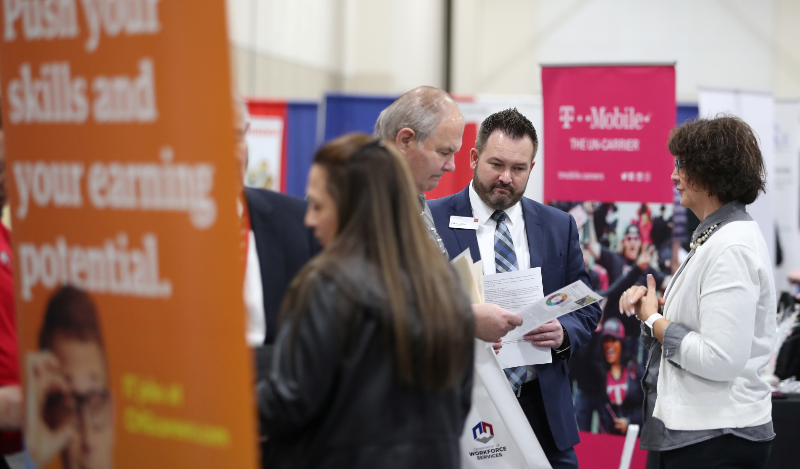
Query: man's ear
x,y
533,163
404,139
473,158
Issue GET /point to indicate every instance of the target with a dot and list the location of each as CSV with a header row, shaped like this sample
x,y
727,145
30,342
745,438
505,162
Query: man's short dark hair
x,y
721,156
70,313
510,122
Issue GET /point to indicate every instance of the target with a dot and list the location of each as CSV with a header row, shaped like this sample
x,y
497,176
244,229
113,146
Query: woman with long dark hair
x,y
372,366
706,403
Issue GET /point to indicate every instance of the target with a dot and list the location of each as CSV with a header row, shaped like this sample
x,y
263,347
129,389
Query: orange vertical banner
x,y
118,123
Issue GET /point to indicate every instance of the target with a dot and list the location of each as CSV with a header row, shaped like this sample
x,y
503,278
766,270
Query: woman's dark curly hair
x,y
720,155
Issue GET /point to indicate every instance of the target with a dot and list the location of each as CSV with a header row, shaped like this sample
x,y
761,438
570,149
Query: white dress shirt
x,y
254,296
486,228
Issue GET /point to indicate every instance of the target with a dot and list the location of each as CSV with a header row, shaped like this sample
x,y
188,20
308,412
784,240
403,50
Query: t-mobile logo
x,y
566,114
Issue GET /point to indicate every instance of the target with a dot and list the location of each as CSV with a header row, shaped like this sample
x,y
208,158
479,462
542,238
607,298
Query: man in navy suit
x,y
283,245
278,246
516,233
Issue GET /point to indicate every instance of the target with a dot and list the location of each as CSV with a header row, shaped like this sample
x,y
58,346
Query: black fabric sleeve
x,y
612,262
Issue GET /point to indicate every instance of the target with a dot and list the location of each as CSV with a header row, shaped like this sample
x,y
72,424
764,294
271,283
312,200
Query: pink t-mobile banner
x,y
606,130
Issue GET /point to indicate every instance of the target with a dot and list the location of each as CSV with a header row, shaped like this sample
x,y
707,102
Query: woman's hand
x,y
641,301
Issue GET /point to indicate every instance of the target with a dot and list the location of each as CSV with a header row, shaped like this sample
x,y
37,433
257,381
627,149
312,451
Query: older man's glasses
x,y
92,408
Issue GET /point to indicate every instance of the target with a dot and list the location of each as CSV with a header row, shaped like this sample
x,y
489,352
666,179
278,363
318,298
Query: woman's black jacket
x,y
331,398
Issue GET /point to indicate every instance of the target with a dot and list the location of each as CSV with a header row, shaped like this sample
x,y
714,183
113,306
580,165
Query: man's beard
x,y
493,200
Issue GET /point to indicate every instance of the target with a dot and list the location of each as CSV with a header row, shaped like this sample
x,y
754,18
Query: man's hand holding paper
x,y
549,334
514,291
492,322
517,313
540,325
556,304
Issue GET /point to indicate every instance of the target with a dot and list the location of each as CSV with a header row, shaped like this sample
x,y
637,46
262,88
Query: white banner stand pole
x,y
630,443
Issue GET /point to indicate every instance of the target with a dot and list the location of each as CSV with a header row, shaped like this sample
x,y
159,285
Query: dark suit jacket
x,y
553,244
283,244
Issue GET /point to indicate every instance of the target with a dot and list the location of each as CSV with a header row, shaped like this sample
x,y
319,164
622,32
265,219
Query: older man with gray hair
x,y
426,125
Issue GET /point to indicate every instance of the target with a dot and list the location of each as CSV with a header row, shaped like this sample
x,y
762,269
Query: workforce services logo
x,y
483,432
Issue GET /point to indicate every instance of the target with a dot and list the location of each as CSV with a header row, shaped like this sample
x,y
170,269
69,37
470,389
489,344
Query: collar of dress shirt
x,y
483,212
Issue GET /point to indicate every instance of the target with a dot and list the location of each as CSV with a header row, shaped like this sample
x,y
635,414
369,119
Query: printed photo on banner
x,y
68,390
622,243
126,238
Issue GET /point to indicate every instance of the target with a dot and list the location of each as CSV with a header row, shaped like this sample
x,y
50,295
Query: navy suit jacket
x,y
283,244
553,245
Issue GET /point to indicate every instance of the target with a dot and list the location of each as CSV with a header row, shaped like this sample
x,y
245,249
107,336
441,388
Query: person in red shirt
x,y
10,391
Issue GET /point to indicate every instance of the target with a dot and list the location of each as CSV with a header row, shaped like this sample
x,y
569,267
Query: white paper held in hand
x,y
513,291
464,267
563,301
516,350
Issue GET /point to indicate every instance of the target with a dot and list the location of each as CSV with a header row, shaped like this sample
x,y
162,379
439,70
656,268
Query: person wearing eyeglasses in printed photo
x,y
627,254
70,407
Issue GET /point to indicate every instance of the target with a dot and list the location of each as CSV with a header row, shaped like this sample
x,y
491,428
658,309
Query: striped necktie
x,y
505,260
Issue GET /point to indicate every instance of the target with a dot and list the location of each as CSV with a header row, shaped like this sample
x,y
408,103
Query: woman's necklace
x,y
703,236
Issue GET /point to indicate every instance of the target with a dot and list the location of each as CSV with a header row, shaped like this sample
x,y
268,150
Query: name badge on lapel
x,y
464,223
